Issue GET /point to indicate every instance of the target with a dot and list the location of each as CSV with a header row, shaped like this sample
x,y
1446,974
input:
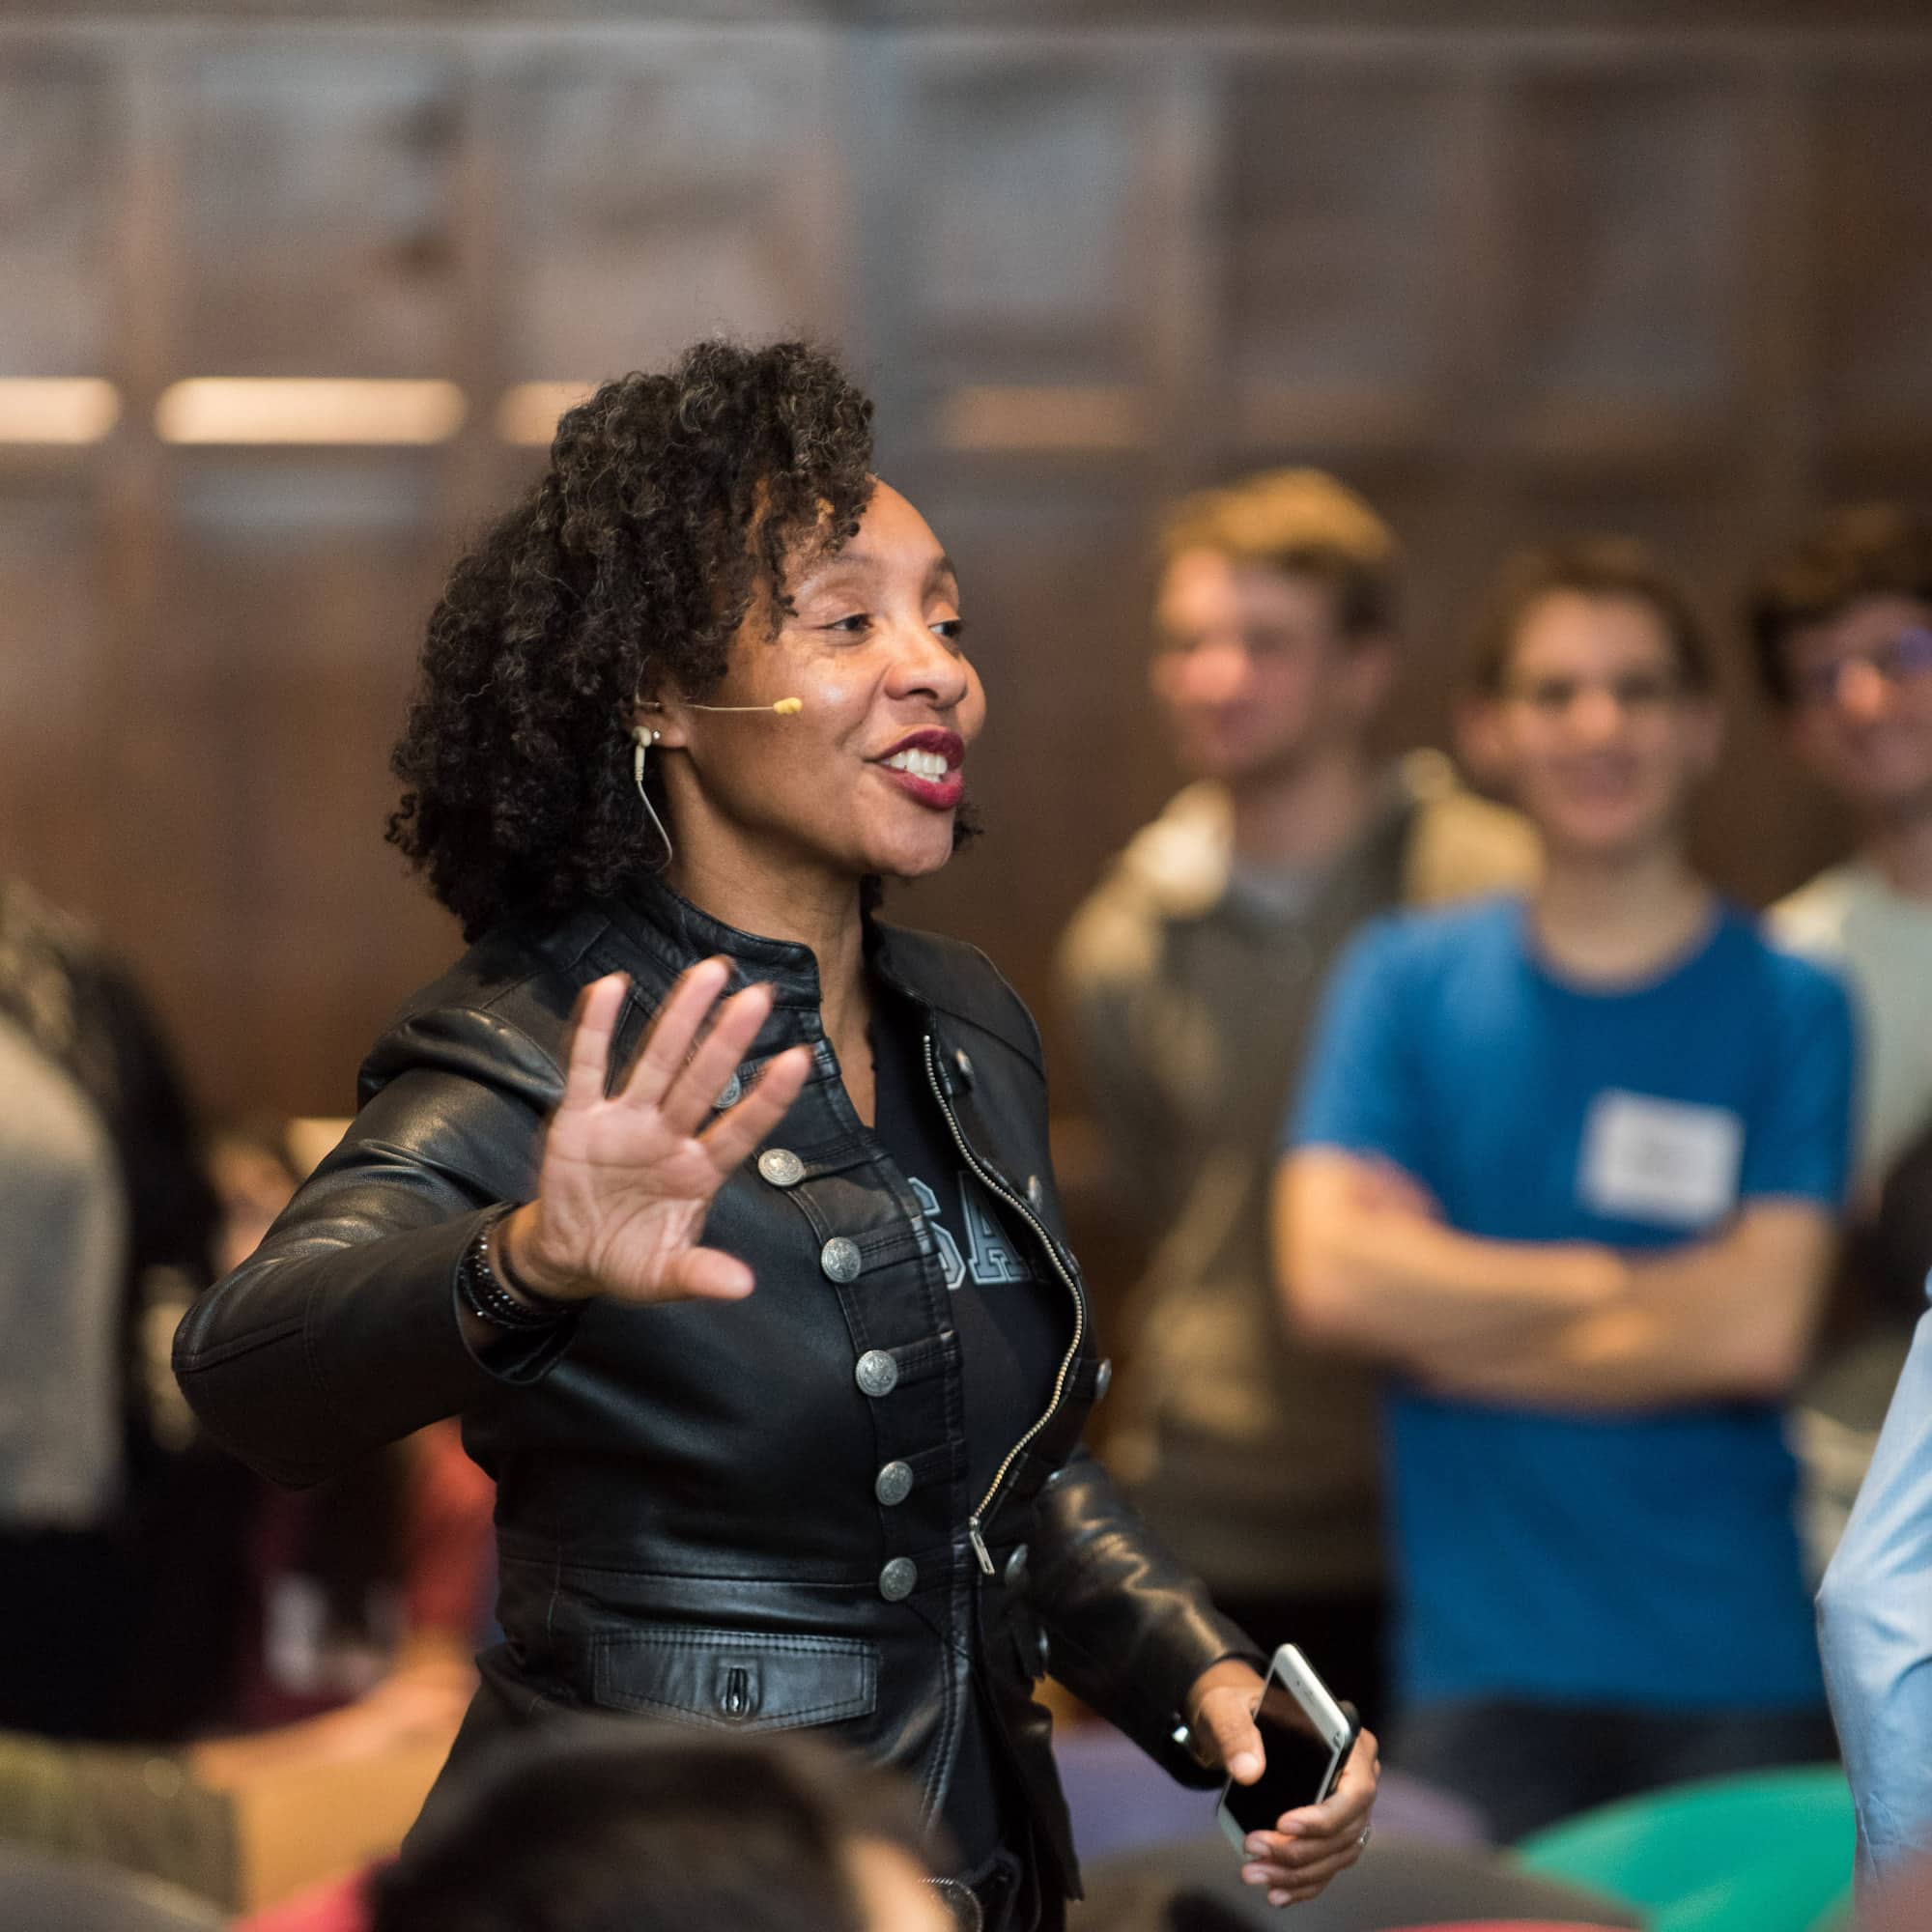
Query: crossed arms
x,y
1364,1262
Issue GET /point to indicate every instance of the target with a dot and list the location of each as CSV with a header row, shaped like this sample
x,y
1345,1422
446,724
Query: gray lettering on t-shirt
x,y
992,1259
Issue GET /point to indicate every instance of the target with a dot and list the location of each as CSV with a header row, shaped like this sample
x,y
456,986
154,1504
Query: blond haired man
x,y
1192,975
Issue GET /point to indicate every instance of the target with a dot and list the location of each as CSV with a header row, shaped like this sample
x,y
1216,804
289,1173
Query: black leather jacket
x,y
751,1513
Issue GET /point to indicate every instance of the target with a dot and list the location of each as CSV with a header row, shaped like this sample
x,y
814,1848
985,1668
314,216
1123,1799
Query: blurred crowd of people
x,y
1533,1240
1515,1202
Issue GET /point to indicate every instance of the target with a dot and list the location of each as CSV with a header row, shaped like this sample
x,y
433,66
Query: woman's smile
x,y
925,766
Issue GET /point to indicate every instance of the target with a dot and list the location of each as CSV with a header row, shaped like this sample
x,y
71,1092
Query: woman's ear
x,y
663,716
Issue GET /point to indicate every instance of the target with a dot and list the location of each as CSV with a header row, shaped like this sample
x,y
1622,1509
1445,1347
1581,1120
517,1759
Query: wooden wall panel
x,y
59,196
1343,231
997,296
1013,235
316,219
60,792
647,194
295,595
1625,196
1874,257
1509,283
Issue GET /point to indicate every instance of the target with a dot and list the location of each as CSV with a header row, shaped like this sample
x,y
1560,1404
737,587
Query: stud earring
x,y
642,739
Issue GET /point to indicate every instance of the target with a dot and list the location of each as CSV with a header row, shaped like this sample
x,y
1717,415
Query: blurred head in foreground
x,y
605,1827
1276,621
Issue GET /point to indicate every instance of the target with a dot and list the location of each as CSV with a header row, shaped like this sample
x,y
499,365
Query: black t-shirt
x,y
1013,1321
1012,1317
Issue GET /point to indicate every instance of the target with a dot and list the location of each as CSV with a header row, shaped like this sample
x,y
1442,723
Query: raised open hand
x,y
625,1181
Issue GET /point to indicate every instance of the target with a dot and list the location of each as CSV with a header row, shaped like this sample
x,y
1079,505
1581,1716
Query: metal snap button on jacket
x,y
893,1484
839,1258
1104,1379
1016,1567
877,1374
731,1092
897,1579
1036,1193
964,1064
781,1167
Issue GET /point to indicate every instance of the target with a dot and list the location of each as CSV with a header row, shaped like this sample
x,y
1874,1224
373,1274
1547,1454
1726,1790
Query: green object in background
x,y
1767,1852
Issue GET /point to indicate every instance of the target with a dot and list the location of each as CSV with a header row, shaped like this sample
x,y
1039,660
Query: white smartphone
x,y
1306,1737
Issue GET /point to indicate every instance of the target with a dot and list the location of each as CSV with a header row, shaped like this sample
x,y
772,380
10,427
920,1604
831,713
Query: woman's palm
x,y
626,1177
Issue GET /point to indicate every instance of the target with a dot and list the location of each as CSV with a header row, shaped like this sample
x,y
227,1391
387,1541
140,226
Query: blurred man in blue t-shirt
x,y
1572,1164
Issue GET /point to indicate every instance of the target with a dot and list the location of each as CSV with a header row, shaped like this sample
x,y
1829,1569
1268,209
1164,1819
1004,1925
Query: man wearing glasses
x,y
1571,1164
1842,626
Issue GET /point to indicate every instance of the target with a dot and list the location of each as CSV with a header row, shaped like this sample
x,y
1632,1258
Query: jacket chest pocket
x,y
734,1680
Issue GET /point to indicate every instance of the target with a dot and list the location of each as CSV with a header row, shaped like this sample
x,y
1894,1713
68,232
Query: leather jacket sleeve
x,y
341,1331
1130,1629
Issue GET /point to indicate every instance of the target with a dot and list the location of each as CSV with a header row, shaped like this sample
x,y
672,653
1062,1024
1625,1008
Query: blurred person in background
x,y
122,1621
1570,1165
61,1276
647,1830
762,1457
1191,977
371,1589
1875,1634
1841,621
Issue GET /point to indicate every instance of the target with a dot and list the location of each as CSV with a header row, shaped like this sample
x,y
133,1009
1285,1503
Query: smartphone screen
x,y
1299,1767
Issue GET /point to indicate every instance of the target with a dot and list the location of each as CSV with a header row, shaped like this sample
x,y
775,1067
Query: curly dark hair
x,y
672,506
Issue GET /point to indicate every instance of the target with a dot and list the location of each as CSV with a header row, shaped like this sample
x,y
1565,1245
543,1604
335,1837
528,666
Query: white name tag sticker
x,y
1664,1161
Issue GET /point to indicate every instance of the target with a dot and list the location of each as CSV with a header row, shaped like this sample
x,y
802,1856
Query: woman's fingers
x,y
1317,1842
593,1023
1345,1813
1227,1715
731,1137
667,1044
1305,1872
688,1101
705,1275
1300,1864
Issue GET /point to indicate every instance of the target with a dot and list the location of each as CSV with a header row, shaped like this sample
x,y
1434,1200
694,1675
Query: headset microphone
x,y
786,707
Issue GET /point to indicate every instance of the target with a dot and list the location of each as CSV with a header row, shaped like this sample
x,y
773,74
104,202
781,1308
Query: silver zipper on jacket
x,y
998,1189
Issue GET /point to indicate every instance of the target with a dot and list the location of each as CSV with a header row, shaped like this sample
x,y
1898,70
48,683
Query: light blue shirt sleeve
x,y
1875,1631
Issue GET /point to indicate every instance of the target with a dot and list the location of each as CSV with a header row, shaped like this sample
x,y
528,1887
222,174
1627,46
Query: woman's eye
x,y
952,629
854,626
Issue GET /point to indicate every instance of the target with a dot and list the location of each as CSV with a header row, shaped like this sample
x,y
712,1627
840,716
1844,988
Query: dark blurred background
x,y
1511,270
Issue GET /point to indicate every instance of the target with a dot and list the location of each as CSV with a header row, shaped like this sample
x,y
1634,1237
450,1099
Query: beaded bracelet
x,y
481,1275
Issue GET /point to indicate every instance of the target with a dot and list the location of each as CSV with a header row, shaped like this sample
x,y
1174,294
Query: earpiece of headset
x,y
786,707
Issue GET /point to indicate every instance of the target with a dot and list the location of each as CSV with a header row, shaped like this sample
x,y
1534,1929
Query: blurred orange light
x,y
527,412
1039,417
57,408
308,410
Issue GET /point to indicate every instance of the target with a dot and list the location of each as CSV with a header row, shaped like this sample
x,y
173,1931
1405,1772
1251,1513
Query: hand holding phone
x,y
1306,1738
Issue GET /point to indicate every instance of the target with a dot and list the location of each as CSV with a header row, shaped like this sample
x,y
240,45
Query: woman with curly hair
x,y
757,1303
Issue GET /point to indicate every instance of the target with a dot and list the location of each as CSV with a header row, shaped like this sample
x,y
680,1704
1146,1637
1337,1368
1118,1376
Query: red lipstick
x,y
940,792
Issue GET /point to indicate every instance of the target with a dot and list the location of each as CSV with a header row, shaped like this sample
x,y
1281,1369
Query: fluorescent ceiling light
x,y
57,408
527,413
1042,417
308,410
